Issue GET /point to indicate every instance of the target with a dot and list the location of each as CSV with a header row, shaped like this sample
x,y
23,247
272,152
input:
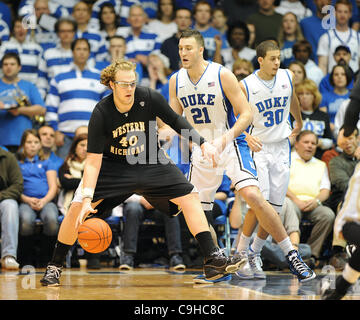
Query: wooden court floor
x,y
157,284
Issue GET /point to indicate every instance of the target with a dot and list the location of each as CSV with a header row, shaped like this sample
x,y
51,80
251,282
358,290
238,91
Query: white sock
x,y
244,243
286,246
350,275
257,244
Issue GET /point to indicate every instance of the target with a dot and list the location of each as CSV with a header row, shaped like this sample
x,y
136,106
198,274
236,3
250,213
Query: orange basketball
x,y
94,235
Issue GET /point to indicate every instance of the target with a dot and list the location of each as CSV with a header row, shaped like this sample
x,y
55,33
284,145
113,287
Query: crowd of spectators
x,y
52,53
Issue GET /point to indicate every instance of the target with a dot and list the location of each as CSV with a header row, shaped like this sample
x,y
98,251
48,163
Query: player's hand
x,y
254,143
210,152
86,209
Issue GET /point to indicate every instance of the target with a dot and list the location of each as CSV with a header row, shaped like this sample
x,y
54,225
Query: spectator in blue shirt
x,y
47,139
212,37
340,78
20,101
40,189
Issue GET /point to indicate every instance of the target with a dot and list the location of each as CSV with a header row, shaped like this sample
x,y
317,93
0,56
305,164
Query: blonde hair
x,y
243,63
108,74
298,33
310,86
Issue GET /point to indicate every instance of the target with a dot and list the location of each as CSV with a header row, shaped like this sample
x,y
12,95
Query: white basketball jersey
x,y
271,106
352,42
204,103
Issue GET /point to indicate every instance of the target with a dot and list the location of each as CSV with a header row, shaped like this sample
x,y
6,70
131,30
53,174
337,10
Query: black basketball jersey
x,y
130,137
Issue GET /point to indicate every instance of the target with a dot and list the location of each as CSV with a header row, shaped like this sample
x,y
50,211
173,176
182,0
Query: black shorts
x,y
157,183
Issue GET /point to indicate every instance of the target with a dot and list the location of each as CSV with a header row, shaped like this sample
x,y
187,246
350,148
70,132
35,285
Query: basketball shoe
x,y
298,267
218,264
51,276
256,264
244,272
341,288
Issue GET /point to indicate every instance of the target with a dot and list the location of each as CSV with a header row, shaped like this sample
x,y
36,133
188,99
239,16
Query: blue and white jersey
x,y
145,43
72,98
56,8
122,8
205,105
270,105
97,43
53,61
4,32
150,7
30,54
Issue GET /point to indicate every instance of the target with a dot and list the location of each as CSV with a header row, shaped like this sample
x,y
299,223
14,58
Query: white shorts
x,y
273,169
235,161
350,210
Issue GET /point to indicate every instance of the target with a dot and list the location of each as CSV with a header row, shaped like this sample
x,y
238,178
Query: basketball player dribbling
x,y
124,157
211,99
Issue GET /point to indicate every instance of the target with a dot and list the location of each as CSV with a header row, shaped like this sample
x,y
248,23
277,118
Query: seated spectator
x,y
109,22
295,6
136,209
339,34
20,101
46,16
342,56
238,38
73,96
159,70
272,253
139,43
212,37
242,68
267,22
28,51
170,46
309,187
341,168
302,52
289,34
47,139
312,27
314,119
11,187
71,171
340,77
219,22
164,25
117,50
40,189
299,72
56,60
82,14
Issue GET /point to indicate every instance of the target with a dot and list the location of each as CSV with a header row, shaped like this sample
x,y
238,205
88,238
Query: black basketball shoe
x,y
51,276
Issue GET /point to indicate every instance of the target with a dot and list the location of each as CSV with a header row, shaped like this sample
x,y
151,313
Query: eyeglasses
x,y
125,85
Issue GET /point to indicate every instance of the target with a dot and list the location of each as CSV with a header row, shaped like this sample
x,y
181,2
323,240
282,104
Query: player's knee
x,y
253,197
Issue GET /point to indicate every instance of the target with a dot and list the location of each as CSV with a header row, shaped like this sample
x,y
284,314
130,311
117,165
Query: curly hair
x,y
108,74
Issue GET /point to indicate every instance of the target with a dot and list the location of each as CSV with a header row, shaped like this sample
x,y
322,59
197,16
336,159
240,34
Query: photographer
x,y
20,101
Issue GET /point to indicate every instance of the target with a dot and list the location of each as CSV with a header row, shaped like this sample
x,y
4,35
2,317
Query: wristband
x,y
87,193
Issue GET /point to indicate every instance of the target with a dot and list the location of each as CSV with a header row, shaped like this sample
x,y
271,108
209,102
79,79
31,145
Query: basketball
x,y
94,235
